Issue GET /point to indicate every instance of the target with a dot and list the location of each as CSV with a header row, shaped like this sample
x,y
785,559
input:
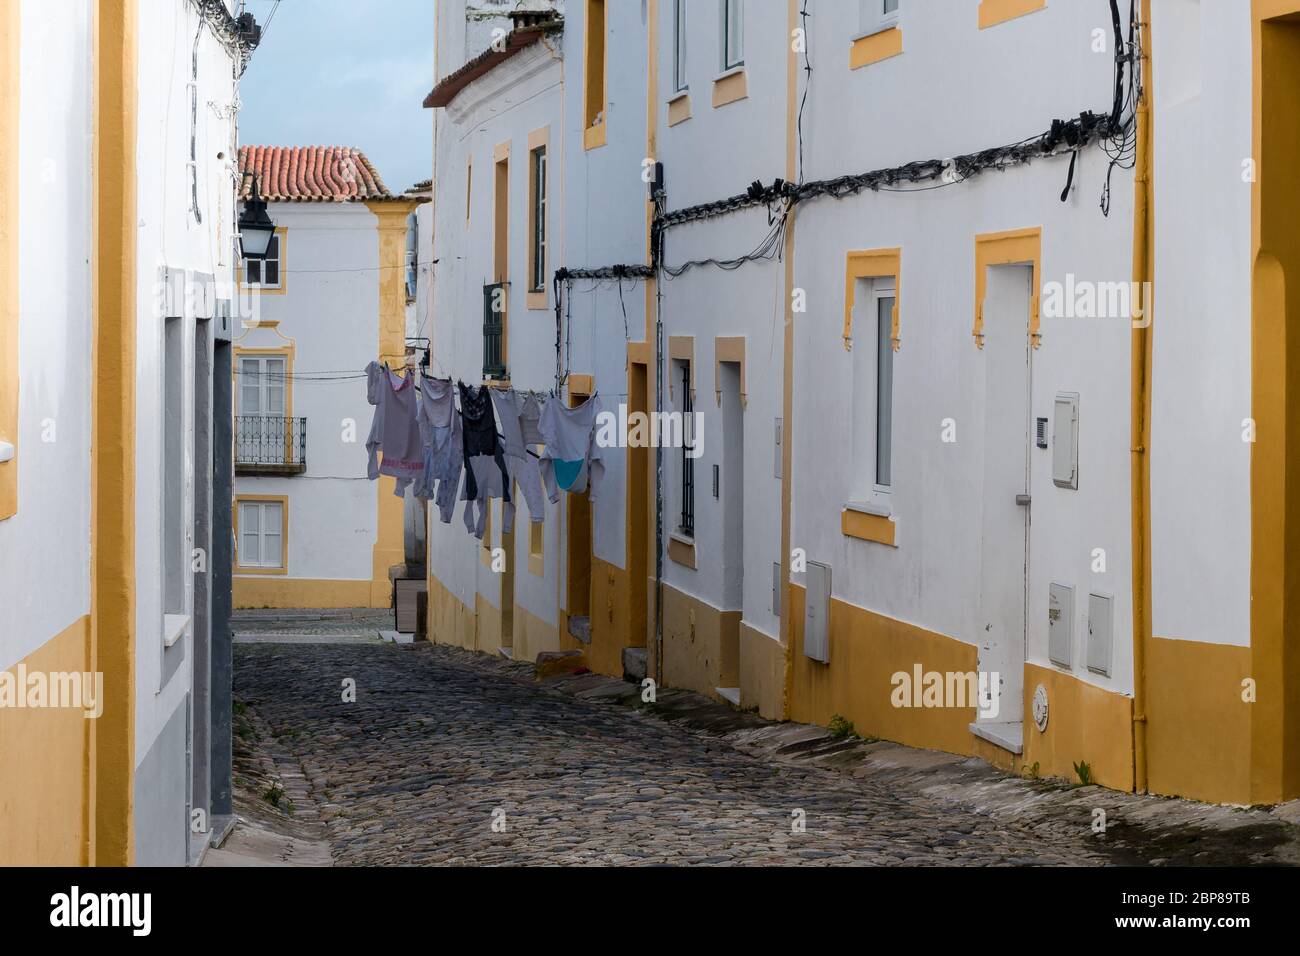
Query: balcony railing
x,y
270,445
494,316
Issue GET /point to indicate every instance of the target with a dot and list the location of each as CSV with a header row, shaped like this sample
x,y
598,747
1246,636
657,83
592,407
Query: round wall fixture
x,y
1040,707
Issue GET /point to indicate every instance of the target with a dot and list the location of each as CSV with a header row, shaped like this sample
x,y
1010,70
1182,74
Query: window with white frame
x,y
733,34
265,273
679,46
261,384
877,15
873,394
261,534
537,220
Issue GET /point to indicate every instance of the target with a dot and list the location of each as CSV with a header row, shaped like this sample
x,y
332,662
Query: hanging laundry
x,y
486,475
517,434
440,430
394,430
572,459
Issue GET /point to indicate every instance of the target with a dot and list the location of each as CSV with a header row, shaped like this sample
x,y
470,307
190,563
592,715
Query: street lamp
x,y
255,227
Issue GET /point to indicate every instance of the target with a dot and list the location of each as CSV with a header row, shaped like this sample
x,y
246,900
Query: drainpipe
x,y
1143,270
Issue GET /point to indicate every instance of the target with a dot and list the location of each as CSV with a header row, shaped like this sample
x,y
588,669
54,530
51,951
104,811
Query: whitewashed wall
x,y
1200,467
49,538
171,237
870,118
518,97
715,154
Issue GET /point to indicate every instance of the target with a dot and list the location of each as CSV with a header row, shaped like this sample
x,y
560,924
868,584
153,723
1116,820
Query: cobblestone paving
x,y
413,771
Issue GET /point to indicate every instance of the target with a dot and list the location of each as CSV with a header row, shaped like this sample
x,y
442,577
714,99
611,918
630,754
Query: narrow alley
x,y
447,757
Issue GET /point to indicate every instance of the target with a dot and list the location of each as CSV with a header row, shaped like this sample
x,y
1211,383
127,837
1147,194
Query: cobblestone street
x,y
440,743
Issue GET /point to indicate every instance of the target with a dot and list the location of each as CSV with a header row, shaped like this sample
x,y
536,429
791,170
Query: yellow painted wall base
x,y
44,760
450,620
533,636
701,644
487,620
762,673
866,649
1198,727
1085,724
256,592
610,619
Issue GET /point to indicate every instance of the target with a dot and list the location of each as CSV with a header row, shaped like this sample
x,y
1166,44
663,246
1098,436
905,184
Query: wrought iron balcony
x,y
270,445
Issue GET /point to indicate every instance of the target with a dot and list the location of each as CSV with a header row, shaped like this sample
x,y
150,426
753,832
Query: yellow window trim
x,y
9,96
729,348
993,12
485,546
595,98
681,552
282,233
1016,246
681,348
730,87
284,534
875,47
867,527
871,264
536,299
469,186
679,108
288,351
537,548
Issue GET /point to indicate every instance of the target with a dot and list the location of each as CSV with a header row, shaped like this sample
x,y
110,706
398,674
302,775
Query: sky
x,y
336,73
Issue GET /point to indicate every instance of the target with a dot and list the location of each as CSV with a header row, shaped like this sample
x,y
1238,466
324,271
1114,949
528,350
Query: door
x,y
1006,506
260,429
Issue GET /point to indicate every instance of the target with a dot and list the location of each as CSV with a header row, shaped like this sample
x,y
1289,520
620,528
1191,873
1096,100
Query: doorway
x,y
1004,551
578,566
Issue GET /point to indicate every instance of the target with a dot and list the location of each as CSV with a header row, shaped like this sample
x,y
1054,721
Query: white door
x,y
1005,540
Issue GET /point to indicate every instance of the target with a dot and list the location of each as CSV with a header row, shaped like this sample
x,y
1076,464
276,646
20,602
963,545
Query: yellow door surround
x,y
871,264
1008,248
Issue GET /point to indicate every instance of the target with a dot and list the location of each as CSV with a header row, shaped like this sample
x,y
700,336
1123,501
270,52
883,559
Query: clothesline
x,y
483,446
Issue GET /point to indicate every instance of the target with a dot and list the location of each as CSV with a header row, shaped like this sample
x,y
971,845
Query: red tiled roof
x,y
485,62
310,174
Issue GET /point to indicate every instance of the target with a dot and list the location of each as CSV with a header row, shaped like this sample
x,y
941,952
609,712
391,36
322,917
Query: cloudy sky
x,y
336,73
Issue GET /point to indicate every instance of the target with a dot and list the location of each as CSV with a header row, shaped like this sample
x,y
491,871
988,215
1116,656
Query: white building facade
x,y
990,455
119,244
331,297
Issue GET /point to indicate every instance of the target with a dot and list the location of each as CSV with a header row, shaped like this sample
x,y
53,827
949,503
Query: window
x,y
265,273
873,393
261,534
884,386
261,384
877,15
687,524
469,185
594,92
733,34
679,47
412,257
537,220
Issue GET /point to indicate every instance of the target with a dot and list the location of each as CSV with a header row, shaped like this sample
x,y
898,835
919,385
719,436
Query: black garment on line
x,y
479,435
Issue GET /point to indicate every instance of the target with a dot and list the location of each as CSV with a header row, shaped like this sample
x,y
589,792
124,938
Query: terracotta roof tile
x,y
485,62
310,174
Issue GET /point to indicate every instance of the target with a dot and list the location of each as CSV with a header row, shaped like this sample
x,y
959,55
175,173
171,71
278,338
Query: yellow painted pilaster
x,y
112,601
392,214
